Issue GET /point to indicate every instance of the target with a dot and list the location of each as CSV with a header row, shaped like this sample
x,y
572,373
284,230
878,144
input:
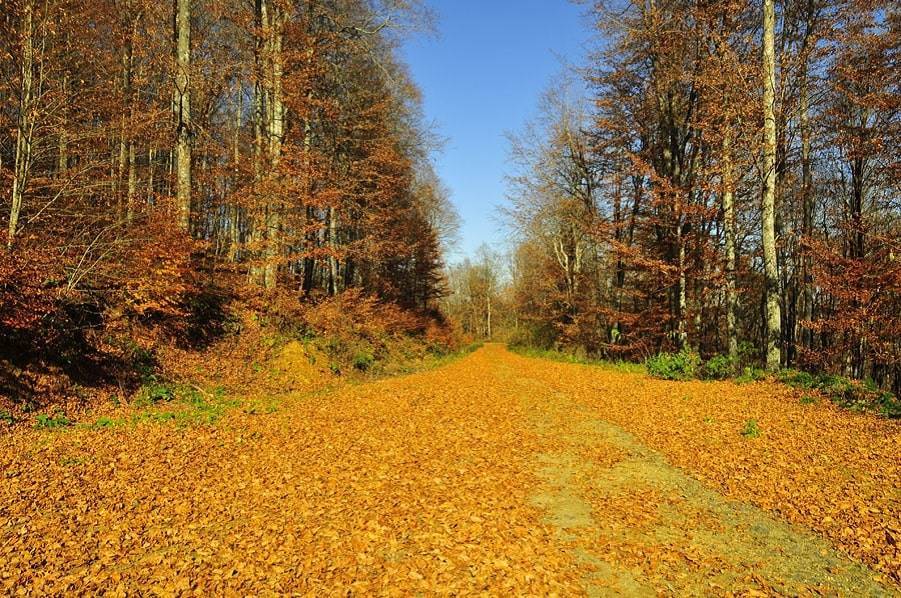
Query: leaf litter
x,y
457,481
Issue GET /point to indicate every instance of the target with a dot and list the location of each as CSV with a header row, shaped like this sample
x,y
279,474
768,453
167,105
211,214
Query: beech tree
x,y
768,205
741,196
158,153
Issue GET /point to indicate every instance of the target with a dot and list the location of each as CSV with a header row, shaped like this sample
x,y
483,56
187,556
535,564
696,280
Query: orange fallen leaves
x,y
407,485
421,484
834,471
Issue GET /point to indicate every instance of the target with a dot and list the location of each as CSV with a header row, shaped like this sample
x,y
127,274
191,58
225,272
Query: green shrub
x,y
683,365
363,360
750,374
851,394
555,355
6,416
718,367
153,392
49,422
751,429
808,400
797,378
890,406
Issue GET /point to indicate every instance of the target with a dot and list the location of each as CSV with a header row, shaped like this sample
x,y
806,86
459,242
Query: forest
x,y
707,201
247,346
165,163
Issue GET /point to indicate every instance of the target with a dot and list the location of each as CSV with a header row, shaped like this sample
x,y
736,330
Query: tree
x,y
768,207
741,192
182,108
25,125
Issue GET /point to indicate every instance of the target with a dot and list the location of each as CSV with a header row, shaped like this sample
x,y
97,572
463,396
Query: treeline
x,y
154,152
730,187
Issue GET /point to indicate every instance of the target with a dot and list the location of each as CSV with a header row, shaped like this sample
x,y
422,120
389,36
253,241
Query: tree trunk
x,y
132,183
25,128
62,159
255,233
333,248
276,118
488,320
151,161
682,298
183,111
234,228
807,213
729,232
771,266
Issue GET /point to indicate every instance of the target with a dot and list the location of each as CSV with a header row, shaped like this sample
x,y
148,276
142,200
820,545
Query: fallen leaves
x,y
408,485
834,471
421,484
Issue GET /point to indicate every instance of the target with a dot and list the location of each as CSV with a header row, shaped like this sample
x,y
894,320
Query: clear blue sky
x,y
482,76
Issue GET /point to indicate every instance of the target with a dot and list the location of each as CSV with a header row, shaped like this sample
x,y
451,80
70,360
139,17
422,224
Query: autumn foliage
x,y
638,211
154,189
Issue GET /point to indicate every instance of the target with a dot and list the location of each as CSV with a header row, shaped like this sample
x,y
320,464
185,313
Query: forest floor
x,y
496,473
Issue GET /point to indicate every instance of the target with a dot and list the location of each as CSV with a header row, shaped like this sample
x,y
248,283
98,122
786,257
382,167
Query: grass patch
x,y
154,391
554,355
168,402
857,395
107,422
51,422
681,366
363,360
260,407
751,429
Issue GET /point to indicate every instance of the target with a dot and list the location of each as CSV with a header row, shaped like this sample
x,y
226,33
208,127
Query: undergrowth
x,y
857,395
685,365
166,402
555,355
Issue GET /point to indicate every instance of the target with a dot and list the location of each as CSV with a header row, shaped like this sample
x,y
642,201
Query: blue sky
x,y
482,76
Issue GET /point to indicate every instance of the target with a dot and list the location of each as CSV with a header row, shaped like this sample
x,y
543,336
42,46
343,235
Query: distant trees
x,y
737,190
474,294
149,149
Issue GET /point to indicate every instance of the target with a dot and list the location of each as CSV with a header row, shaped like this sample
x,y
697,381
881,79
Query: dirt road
x,y
496,474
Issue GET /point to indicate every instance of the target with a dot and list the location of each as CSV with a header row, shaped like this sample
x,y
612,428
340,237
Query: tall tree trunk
x,y
333,248
488,315
25,127
771,266
62,158
682,299
183,111
132,182
276,128
729,232
234,228
128,135
151,162
255,233
806,212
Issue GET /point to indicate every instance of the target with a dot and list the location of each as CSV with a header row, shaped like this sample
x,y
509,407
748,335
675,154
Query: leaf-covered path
x,y
496,473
